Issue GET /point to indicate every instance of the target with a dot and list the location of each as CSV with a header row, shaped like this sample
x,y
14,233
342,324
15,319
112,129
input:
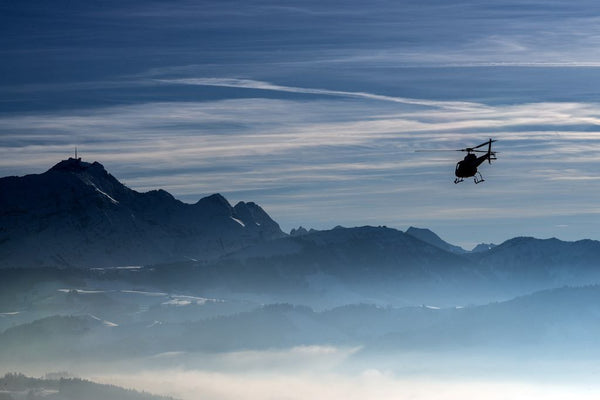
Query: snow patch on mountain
x,y
481,247
9,314
104,322
238,221
107,196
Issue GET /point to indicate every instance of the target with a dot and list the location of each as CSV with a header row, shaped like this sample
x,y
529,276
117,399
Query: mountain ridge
x,y
77,214
432,238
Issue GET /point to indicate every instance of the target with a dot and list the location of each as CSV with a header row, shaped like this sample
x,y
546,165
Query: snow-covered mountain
x,y
77,214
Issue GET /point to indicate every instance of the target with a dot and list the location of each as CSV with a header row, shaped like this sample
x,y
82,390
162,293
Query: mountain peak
x,y
216,198
253,216
481,247
76,165
87,172
298,232
430,237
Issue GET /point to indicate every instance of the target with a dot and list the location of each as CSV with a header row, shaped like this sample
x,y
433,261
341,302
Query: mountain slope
x,y
546,262
77,214
384,264
481,247
559,321
18,385
356,253
433,239
334,267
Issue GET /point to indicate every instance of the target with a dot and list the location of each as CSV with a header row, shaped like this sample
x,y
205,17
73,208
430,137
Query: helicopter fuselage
x,y
468,166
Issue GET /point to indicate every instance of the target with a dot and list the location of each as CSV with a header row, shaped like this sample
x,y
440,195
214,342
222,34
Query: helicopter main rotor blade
x,y
483,144
434,150
485,151
429,151
467,149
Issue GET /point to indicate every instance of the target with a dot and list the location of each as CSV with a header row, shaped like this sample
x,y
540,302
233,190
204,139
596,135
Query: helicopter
x,y
468,166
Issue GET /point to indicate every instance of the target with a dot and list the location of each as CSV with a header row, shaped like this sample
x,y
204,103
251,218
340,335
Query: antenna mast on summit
x,y
76,152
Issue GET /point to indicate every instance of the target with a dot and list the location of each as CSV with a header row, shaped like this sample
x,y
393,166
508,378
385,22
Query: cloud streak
x,y
253,84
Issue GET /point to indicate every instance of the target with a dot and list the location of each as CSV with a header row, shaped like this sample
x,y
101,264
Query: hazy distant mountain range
x,y
78,215
171,280
546,321
429,237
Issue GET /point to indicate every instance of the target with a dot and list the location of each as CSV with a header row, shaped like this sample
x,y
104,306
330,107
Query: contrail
x,y
260,85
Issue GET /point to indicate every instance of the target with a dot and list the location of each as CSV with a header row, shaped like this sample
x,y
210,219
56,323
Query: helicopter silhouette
x,y
468,166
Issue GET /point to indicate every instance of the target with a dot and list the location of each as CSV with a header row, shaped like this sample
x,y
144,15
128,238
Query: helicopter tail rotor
x,y
491,154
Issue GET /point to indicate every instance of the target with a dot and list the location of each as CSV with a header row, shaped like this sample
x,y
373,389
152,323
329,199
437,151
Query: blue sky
x,y
313,109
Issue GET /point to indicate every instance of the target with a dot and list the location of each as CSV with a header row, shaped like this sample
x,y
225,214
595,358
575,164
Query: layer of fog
x,y
373,384
319,372
331,373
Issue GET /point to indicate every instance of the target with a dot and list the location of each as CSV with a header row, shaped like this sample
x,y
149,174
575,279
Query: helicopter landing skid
x,y
458,180
478,178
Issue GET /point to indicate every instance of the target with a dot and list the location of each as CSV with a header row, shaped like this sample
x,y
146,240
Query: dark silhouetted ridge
x,y
77,214
430,237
